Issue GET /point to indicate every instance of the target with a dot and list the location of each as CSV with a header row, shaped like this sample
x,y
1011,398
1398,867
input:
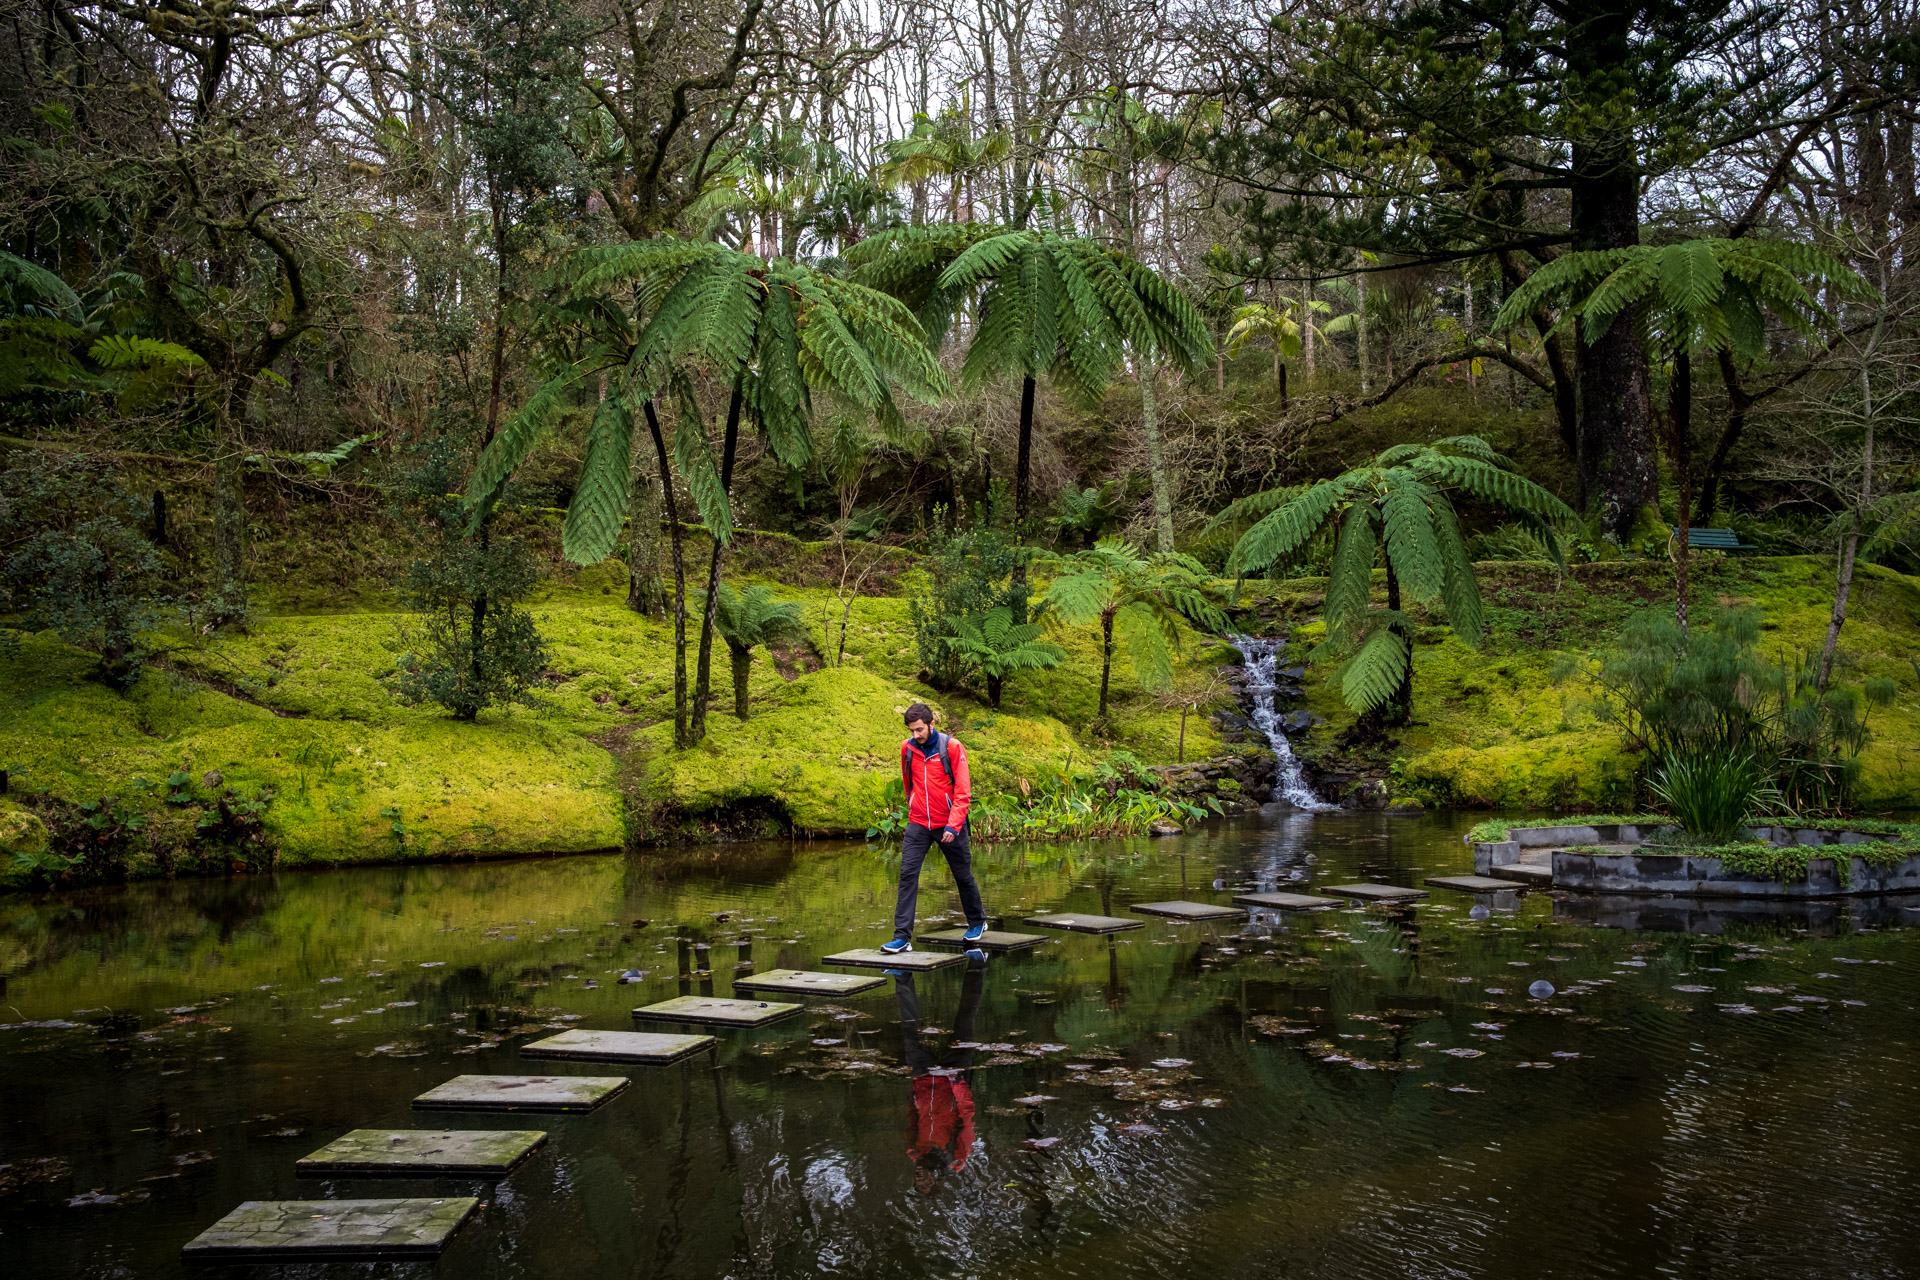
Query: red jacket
x,y
942,1118
932,801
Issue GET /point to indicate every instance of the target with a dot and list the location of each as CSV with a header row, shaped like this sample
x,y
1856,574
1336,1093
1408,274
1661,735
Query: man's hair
x,y
919,711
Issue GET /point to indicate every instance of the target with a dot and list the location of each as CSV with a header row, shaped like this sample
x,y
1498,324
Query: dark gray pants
x,y
913,852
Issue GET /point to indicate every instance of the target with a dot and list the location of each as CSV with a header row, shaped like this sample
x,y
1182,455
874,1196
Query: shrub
x,y
969,573
1711,790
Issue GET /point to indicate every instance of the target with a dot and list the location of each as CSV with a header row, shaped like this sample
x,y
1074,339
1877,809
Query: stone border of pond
x,y
1629,858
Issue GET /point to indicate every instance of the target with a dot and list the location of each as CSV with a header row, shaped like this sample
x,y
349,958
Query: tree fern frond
x,y
1350,575
1413,548
1145,645
517,438
694,456
604,491
1459,589
1374,673
1283,531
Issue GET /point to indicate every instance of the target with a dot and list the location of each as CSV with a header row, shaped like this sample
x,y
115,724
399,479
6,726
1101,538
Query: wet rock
x,y
1162,827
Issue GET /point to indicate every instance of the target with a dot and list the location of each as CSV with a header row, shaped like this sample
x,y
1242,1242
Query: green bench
x,y
1712,540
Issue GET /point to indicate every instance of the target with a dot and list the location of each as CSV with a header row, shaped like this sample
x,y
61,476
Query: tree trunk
x,y
229,605
1156,460
1616,468
1850,548
994,685
702,690
1360,328
643,562
1106,660
681,738
1022,476
1306,333
742,671
1680,450
1738,403
1280,377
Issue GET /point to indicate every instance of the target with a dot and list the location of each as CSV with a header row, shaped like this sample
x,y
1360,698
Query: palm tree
x,y
746,619
1278,327
1403,494
943,146
999,646
651,315
1705,294
1047,304
1138,598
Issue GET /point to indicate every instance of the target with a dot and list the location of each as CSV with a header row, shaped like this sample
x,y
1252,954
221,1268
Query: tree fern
x,y
598,511
1376,671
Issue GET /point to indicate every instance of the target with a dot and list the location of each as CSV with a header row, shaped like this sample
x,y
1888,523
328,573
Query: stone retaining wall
x,y
1644,872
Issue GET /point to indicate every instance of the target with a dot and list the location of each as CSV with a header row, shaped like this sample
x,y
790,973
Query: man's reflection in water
x,y
940,1121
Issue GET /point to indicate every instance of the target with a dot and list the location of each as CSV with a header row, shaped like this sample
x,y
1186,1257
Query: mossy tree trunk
x,y
644,588
742,673
229,604
1156,462
1106,657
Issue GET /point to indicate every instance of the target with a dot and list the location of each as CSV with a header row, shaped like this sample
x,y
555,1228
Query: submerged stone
x,y
521,1093
266,1230
1473,884
490,1152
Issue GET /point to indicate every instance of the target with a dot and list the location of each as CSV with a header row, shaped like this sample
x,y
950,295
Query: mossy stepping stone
x,y
649,1047
908,961
1085,924
1471,884
803,982
297,1230
1284,901
991,940
1187,911
1375,892
480,1152
520,1093
1525,873
712,1011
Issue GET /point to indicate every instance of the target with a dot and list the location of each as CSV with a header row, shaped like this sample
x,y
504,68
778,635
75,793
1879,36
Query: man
x,y
933,768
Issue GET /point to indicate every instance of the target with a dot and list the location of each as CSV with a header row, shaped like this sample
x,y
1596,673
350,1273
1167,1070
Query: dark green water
x,y
1626,1125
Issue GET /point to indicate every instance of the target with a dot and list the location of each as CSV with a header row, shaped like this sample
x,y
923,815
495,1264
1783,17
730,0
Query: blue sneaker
x,y
975,932
897,946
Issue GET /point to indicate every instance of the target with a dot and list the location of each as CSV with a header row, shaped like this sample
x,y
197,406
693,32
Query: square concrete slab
x,y
1085,924
1471,884
482,1152
802,982
1524,873
991,940
908,961
1375,892
649,1047
1284,901
520,1093
1188,911
712,1011
295,1230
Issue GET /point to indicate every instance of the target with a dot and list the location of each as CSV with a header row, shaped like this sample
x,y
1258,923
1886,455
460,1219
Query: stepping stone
x,y
711,1011
800,982
485,1152
991,940
1525,873
1187,911
909,961
649,1047
1471,884
1284,901
298,1230
1375,892
520,1093
1086,924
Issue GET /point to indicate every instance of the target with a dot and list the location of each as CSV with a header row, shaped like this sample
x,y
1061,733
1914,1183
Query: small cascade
x,y
1263,666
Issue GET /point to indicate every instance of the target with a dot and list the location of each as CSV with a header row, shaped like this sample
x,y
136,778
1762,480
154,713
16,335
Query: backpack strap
x,y
940,741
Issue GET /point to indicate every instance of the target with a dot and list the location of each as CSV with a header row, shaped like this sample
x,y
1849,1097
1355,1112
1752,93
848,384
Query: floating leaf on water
x,y
1428,1044
1858,1004
1174,1104
1495,991
433,964
1040,1144
1465,1053
1170,1063
1809,999
825,1040
325,981
1766,991
1534,1066
1141,1130
1035,1099
1213,1102
1079,1066
1488,1026
1460,1088
1047,1048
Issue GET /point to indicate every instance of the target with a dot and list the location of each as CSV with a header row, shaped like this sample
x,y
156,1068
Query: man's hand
x,y
946,836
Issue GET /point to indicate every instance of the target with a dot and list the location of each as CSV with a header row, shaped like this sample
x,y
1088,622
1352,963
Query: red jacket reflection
x,y
942,1117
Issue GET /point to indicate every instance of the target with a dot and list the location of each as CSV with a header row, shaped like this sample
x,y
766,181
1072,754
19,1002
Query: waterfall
x,y
1263,665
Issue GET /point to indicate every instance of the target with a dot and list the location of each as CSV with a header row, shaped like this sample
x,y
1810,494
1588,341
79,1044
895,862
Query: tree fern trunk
x,y
1156,460
742,671
1106,658
1022,475
643,562
230,512
702,686
1680,407
994,685
680,734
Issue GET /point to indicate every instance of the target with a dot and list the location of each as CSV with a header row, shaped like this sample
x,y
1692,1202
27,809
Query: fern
x,y
1376,671
501,458
601,498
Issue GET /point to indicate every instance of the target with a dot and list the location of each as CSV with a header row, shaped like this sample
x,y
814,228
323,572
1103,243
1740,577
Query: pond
x,y
1355,1092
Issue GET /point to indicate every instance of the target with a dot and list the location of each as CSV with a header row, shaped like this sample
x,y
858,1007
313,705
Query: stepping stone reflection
x,y
483,1152
1187,911
299,1230
520,1093
801,982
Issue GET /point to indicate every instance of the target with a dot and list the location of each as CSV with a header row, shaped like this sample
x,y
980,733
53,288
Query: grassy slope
x,y
1494,728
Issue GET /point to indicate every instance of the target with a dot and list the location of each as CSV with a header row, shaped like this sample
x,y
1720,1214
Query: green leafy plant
x,y
1137,601
1000,647
1397,508
1086,514
747,618
1712,790
969,571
